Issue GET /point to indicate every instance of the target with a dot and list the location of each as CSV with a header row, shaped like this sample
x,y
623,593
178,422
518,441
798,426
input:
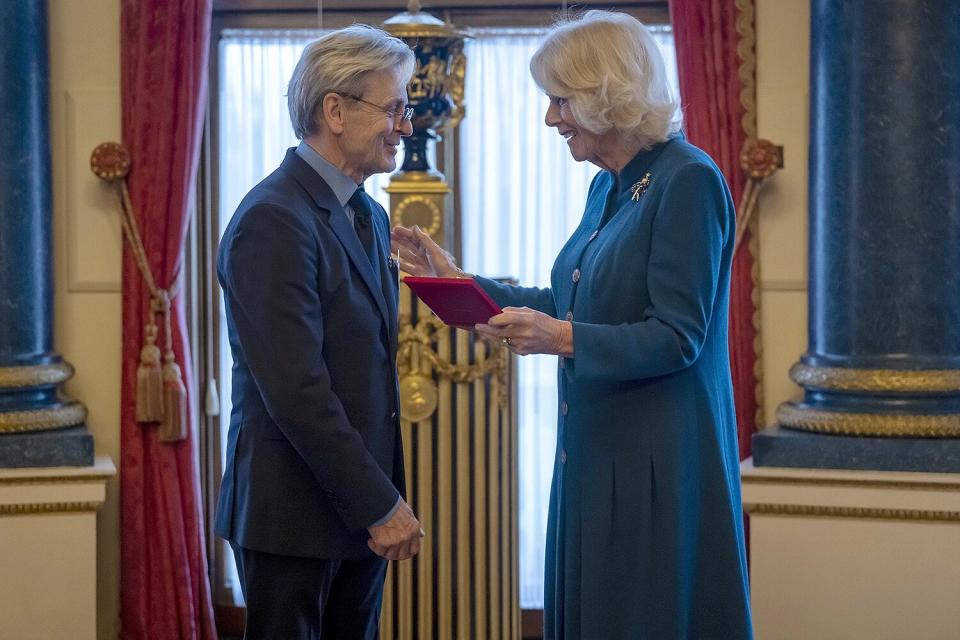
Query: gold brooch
x,y
640,187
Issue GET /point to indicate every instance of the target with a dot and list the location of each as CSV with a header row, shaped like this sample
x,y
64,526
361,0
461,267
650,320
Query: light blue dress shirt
x,y
340,183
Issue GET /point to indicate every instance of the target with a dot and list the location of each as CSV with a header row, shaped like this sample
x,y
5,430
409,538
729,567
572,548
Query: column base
x,y
779,447
68,447
836,555
48,525
807,417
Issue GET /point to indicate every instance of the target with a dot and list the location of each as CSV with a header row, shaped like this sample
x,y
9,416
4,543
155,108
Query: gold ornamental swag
x,y
458,415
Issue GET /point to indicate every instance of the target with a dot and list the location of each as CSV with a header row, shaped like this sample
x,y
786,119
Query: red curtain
x,y
164,590
705,35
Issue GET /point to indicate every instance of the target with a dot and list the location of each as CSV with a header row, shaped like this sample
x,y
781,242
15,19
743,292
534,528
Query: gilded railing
x,y
460,446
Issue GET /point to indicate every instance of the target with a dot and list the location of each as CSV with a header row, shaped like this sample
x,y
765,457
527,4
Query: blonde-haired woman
x,y
645,536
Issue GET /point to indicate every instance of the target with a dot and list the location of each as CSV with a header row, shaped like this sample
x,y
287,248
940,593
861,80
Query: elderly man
x,y
312,494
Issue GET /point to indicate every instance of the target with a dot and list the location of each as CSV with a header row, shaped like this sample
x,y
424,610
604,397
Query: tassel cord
x,y
748,204
160,303
160,298
132,233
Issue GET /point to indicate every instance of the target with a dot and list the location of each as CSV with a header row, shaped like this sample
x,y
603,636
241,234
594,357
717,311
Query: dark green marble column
x,y
39,426
882,372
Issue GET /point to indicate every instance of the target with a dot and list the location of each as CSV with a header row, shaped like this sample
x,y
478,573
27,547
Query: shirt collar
x,y
341,184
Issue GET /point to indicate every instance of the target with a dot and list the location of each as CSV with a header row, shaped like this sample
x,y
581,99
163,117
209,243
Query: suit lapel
x,y
325,200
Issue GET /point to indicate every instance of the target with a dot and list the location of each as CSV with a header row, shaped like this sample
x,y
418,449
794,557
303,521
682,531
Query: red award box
x,y
459,302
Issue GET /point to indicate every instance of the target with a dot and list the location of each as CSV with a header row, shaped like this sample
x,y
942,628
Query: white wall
x,y
84,111
783,42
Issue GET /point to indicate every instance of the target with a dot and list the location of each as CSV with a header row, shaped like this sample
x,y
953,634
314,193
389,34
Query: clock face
x,y
421,211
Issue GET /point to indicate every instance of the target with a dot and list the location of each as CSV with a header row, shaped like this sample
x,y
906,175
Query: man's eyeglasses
x,y
400,113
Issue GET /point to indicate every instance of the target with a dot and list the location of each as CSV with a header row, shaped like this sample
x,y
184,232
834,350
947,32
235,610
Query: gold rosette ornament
x,y
759,159
110,161
161,394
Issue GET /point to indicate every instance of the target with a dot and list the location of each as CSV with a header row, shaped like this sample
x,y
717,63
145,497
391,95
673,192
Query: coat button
x,y
564,408
569,316
393,416
594,234
576,276
563,457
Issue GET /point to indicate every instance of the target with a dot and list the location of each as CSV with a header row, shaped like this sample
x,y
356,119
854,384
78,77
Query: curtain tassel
x,y
149,380
173,427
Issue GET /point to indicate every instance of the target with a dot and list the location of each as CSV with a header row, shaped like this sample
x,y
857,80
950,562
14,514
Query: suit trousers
x,y
291,598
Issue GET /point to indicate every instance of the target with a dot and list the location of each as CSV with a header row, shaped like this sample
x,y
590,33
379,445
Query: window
x,y
521,196
254,134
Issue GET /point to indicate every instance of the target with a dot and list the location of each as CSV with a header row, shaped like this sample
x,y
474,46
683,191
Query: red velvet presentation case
x,y
459,302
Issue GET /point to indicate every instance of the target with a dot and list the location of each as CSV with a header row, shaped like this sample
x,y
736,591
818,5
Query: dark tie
x,y
362,211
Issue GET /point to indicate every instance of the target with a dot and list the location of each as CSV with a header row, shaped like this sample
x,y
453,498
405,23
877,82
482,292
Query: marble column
x,y
883,361
39,426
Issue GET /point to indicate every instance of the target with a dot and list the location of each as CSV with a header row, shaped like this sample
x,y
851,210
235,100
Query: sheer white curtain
x,y
522,195
254,134
255,130
521,198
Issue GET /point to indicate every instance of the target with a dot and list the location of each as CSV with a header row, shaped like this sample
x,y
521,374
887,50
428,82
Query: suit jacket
x,y
313,451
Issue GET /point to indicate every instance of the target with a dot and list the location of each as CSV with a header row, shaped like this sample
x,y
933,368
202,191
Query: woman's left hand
x,y
525,331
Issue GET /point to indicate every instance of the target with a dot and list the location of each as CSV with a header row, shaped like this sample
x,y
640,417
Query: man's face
x,y
371,137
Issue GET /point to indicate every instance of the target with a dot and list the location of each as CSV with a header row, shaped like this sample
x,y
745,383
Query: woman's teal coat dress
x,y
645,534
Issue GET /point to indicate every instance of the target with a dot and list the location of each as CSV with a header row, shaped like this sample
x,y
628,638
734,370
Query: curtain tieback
x,y
161,394
759,159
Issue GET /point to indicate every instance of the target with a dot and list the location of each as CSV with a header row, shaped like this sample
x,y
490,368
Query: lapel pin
x,y
640,187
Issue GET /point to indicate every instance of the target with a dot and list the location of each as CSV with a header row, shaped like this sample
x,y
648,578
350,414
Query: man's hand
x,y
420,255
399,537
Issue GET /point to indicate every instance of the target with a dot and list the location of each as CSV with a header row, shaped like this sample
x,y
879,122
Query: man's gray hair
x,y
339,62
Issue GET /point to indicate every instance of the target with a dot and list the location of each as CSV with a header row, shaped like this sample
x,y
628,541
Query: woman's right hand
x,y
419,255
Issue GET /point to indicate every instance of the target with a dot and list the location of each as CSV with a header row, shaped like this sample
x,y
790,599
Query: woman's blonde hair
x,y
339,62
609,68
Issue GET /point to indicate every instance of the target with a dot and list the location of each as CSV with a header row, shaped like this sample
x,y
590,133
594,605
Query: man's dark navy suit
x,y
313,452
